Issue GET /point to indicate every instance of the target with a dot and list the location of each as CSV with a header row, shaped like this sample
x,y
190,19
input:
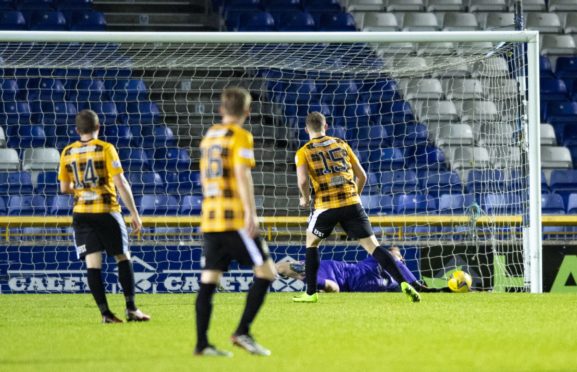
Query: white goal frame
x,y
532,235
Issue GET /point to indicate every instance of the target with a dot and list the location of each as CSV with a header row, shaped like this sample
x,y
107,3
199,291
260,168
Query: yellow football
x,y
460,282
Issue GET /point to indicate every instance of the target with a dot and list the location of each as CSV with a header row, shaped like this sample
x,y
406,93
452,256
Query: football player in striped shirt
x,y
91,170
229,223
337,178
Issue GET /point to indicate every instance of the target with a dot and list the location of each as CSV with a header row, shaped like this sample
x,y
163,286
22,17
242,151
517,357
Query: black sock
x,y
387,262
203,311
97,288
254,301
312,262
126,279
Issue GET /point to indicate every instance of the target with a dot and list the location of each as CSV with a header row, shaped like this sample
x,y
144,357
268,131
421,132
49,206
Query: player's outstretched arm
x,y
125,193
243,177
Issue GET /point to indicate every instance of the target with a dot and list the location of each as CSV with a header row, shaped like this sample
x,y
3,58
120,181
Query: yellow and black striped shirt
x,y
223,147
329,161
90,165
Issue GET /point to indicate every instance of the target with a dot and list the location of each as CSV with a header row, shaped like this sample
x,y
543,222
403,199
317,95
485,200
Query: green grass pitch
x,y
343,332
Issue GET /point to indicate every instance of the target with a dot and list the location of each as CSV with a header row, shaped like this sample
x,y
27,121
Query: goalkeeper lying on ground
x,y
363,276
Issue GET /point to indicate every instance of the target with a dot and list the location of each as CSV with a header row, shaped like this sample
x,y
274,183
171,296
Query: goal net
x,y
440,125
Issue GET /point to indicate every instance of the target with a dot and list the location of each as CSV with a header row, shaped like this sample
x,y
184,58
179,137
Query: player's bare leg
x,y
387,262
208,282
96,285
312,263
126,278
264,275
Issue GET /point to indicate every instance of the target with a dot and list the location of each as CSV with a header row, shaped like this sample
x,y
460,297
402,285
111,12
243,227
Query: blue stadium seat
x,y
337,22
337,131
8,89
380,204
106,110
48,21
455,203
55,113
545,68
158,205
295,21
183,182
62,205
573,151
74,4
502,203
191,205
3,209
146,183
35,4
385,159
370,136
439,183
569,133
15,112
283,6
24,136
299,92
161,136
127,90
395,112
561,112
486,180
15,183
572,204
414,203
566,67
87,20
256,21
372,186
133,159
402,181
410,135
564,182
12,20
243,5
47,183
552,204
6,5
117,134
323,6
26,205
553,90
86,90
356,115
45,89
426,157
140,112
171,158
379,90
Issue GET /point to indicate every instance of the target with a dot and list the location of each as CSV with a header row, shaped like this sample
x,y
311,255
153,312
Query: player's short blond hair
x,y
316,121
87,122
235,101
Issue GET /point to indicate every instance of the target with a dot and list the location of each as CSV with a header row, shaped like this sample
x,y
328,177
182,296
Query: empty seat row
x,y
292,21
73,90
52,21
45,4
61,112
459,5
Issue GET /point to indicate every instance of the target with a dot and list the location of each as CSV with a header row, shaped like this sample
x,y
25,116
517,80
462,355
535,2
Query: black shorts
x,y
352,218
220,248
96,232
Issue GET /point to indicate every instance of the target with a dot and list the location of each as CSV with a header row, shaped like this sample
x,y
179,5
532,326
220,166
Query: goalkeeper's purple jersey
x,y
364,276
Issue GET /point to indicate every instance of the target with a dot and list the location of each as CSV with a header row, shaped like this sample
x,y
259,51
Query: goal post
x,y
373,88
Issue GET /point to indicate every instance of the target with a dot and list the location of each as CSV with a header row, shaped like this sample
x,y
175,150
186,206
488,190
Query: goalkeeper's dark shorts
x,y
352,218
96,232
221,248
